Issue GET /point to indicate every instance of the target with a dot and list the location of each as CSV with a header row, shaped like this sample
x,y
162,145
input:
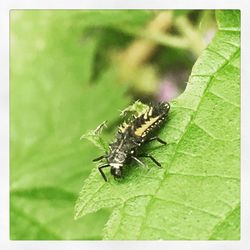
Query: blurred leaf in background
x,y
70,71
53,101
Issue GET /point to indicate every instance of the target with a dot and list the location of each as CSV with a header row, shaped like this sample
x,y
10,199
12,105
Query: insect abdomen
x,y
153,118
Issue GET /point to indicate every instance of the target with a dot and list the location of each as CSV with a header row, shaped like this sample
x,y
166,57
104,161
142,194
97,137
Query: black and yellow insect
x,y
131,136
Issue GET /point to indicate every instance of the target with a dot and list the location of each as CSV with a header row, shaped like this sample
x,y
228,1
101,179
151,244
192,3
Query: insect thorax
x,y
120,150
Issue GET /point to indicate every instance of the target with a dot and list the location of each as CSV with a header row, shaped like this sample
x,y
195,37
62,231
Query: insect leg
x,y
158,139
100,170
99,158
140,162
152,158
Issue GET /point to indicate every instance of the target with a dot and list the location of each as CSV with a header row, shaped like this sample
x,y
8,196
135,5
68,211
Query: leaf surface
x,y
196,195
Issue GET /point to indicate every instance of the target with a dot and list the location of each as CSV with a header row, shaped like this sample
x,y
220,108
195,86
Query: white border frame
x,y
243,5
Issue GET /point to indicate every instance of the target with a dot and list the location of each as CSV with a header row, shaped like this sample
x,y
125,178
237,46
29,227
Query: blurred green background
x,y
70,71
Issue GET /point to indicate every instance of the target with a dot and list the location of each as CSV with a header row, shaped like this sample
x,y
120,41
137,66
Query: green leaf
x,y
53,101
95,137
136,108
196,195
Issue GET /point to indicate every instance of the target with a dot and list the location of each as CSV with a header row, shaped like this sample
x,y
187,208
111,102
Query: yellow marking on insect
x,y
144,127
150,111
123,127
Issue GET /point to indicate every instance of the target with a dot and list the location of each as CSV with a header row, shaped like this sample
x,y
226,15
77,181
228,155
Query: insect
x,y
131,136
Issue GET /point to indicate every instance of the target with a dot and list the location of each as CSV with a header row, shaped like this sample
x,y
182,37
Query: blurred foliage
x,y
70,71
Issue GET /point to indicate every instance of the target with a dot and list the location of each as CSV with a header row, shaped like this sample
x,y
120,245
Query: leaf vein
x,y
206,176
224,218
188,206
223,98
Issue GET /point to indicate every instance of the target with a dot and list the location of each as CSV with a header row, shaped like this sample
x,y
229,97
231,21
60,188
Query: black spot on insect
x,y
131,136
